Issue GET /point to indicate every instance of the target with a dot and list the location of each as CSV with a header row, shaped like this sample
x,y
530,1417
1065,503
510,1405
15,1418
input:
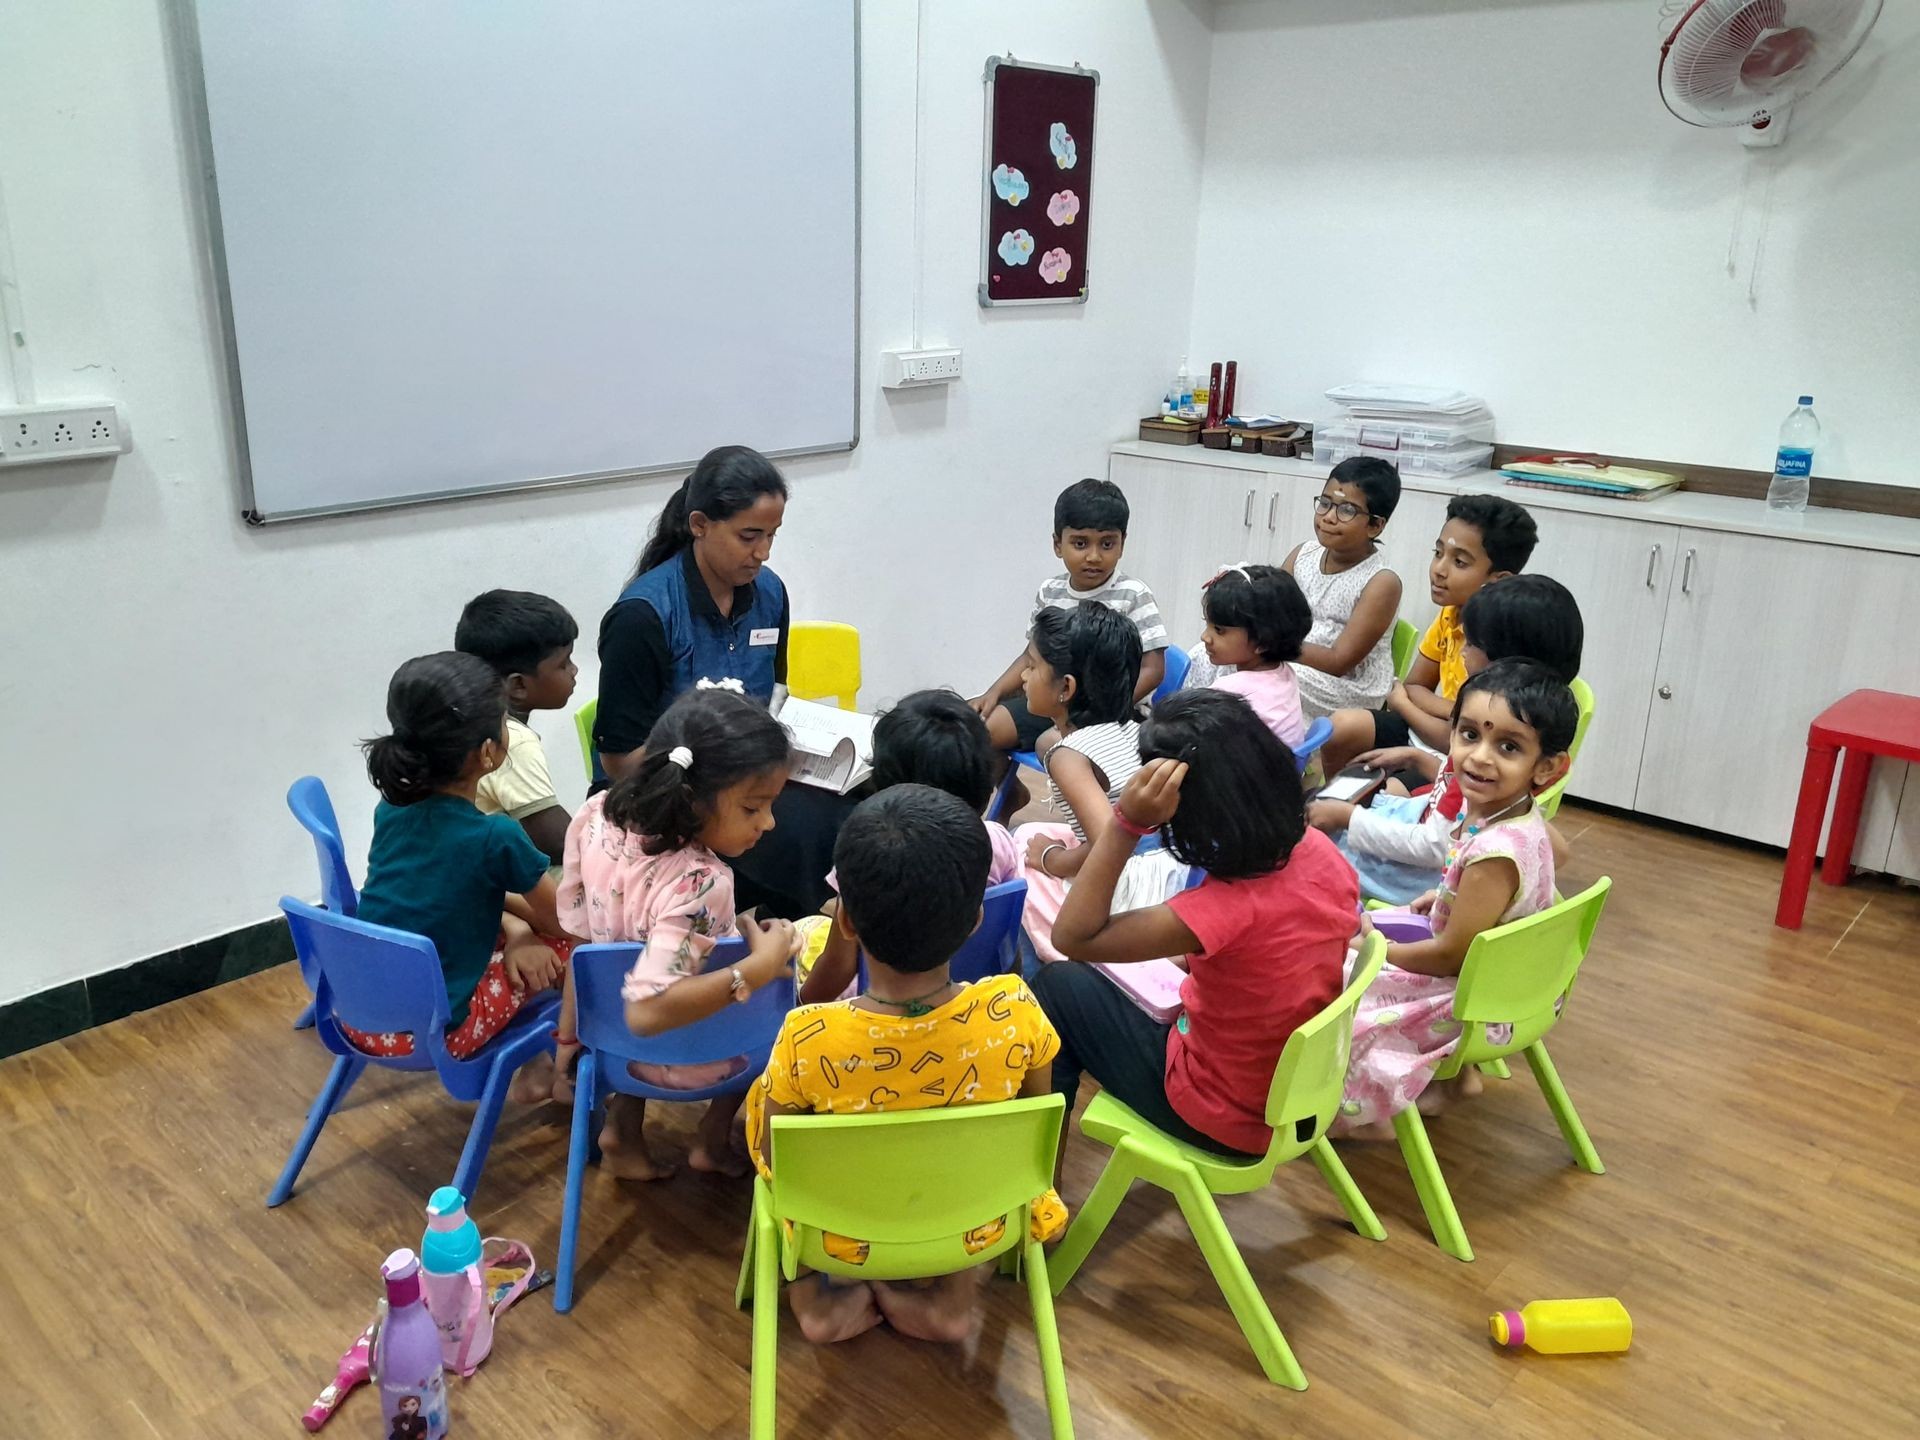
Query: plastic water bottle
x,y
1565,1327
1183,383
406,1357
454,1284
1793,464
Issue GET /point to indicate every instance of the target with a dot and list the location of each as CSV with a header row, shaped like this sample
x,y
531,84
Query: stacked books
x,y
1419,429
1587,475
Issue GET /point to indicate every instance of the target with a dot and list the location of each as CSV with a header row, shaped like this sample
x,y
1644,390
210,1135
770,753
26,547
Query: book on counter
x,y
832,749
1586,475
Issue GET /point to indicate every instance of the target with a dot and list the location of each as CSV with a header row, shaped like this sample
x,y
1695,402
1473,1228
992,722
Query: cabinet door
x,y
1407,544
1761,634
1903,855
1186,522
1285,517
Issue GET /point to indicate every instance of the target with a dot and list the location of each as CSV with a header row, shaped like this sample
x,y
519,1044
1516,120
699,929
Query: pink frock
x,y
1404,1026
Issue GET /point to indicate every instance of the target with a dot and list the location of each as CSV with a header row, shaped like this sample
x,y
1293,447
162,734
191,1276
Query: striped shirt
x,y
1114,749
1121,592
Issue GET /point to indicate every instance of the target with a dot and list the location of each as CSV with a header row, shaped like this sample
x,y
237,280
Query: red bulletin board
x,y
1038,185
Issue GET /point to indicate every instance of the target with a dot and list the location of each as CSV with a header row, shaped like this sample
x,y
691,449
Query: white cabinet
x,y
1760,635
1407,546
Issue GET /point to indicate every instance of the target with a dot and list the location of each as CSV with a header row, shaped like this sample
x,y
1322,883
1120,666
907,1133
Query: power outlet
x,y
909,369
30,434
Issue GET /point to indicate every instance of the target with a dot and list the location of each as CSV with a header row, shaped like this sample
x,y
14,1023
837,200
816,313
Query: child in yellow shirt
x,y
912,865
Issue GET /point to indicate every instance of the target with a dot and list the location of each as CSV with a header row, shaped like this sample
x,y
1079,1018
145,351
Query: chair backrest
x,y
748,1029
368,976
1318,733
1312,1071
1406,639
583,722
1549,798
914,1178
1519,974
994,946
1178,662
309,802
823,661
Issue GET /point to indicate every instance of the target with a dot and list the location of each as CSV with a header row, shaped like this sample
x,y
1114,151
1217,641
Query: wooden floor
x,y
1755,1095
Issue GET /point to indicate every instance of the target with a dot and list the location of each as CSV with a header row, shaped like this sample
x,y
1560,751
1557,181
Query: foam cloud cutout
x,y
1054,266
1063,207
1009,184
1016,247
1065,153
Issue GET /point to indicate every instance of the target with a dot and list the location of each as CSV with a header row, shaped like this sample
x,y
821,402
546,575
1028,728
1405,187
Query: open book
x,y
832,748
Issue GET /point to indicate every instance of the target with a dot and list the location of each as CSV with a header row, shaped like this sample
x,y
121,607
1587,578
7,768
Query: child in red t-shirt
x,y
1264,936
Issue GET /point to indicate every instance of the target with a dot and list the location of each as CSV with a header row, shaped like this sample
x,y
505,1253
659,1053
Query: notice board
x,y
1037,187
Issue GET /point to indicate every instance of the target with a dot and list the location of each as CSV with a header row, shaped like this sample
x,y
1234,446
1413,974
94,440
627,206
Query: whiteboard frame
x,y
192,76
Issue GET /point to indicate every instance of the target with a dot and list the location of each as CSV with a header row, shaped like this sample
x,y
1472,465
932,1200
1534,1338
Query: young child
x,y
1089,535
644,863
1256,620
440,868
1264,935
1485,537
1347,658
1079,675
1399,844
912,862
932,737
528,639
1512,725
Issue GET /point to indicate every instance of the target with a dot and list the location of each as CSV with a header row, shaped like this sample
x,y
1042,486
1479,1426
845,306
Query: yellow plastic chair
x,y
583,722
917,1186
1549,798
1519,976
1301,1103
823,662
1406,640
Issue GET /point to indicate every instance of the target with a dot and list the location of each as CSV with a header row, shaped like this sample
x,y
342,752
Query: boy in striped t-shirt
x,y
1089,535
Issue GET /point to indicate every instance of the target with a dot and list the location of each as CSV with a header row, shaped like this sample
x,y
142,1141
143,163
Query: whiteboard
x,y
478,245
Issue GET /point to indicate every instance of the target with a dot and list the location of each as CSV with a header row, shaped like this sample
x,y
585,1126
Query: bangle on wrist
x,y
1056,845
738,987
1139,832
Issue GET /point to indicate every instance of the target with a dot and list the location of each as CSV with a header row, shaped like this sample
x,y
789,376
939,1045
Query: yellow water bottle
x,y
1565,1327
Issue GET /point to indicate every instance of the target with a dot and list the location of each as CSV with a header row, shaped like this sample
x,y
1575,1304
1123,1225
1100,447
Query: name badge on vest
x,y
764,637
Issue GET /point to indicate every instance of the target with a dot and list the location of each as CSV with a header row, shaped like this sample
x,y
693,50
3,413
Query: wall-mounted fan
x,y
1744,62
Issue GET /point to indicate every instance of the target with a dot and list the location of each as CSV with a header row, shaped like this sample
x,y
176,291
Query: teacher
x,y
704,605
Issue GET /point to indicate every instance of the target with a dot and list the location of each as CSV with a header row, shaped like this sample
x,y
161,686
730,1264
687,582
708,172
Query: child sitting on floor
x,y
440,868
1512,724
932,737
1399,844
644,864
1256,620
912,862
1080,672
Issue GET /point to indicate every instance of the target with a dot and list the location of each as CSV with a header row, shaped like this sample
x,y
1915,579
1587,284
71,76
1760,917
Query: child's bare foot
x,y
722,1159
1378,1130
565,1058
941,1310
626,1157
829,1313
1467,1085
533,1084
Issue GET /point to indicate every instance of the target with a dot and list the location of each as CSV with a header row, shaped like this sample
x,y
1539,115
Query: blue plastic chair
x,y
1318,733
607,1045
994,947
312,807
377,979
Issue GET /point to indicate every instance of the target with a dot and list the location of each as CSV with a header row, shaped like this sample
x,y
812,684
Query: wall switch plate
x,y
908,369
69,430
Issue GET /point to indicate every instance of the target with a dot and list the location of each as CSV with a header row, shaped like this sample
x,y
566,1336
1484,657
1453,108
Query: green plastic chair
x,y
1549,799
1406,640
911,1183
1519,974
583,722
1302,1101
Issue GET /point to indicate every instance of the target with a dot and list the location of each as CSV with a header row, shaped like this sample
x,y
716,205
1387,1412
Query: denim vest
x,y
704,644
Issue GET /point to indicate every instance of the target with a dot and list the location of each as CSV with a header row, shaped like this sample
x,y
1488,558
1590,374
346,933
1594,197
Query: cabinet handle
x,y
1666,692
1273,505
1686,575
1246,518
1653,563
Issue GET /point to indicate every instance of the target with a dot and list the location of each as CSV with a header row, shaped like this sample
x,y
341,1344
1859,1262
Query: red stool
x,y
1865,724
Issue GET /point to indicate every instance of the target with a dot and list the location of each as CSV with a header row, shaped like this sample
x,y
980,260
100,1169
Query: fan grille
x,y
1735,62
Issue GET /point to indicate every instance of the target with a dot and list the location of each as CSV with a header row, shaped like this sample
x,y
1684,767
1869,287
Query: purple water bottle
x,y
406,1358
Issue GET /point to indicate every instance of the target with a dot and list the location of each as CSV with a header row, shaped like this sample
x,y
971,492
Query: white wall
x,y
169,672
1490,194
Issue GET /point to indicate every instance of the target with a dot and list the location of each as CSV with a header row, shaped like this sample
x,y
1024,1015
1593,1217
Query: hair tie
x,y
1240,570
738,687
680,755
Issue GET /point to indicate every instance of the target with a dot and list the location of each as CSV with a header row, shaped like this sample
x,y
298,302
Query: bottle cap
x,y
1806,399
401,1271
1507,1327
452,1240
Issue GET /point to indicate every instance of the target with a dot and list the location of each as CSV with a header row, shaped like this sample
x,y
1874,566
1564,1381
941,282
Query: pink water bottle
x,y
454,1282
406,1358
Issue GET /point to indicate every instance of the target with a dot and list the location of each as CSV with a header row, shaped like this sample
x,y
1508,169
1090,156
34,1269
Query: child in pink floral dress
x,y
1512,726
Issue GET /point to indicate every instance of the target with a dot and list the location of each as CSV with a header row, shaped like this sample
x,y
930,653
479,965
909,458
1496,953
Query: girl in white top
x,y
1081,668
1347,660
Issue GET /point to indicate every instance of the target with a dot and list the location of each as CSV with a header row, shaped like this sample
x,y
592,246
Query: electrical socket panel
x,y
69,430
910,369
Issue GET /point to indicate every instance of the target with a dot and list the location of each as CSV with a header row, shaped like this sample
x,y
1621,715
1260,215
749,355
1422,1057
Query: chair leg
x,y
473,1158
766,1321
304,1020
1495,1069
1236,1283
577,1145
1046,1334
1856,767
1557,1101
1351,1200
340,1079
1091,1223
1430,1185
1816,783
